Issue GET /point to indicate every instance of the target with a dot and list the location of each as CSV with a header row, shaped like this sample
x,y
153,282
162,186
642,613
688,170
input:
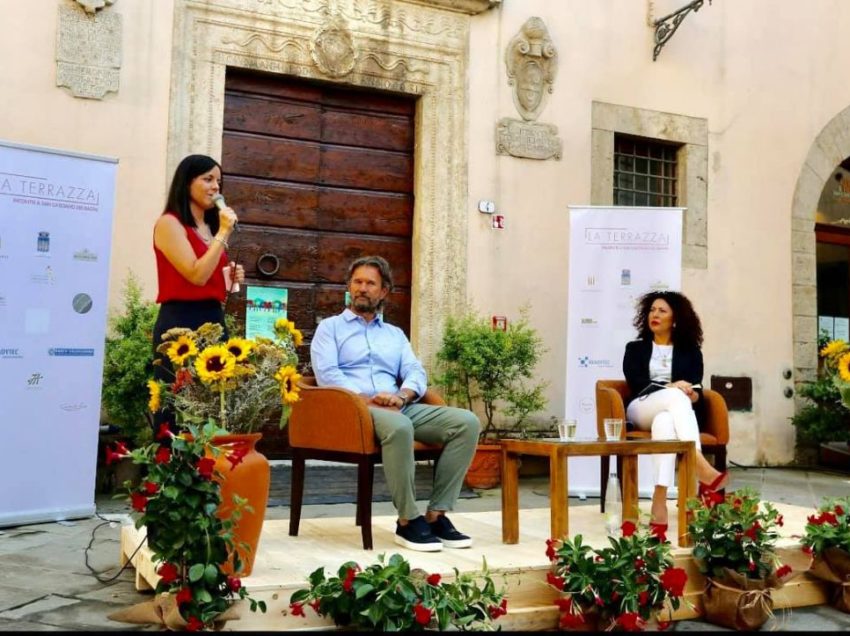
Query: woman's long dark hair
x,y
687,329
189,169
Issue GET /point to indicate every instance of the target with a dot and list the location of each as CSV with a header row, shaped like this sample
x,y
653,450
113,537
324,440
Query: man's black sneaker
x,y
443,529
417,535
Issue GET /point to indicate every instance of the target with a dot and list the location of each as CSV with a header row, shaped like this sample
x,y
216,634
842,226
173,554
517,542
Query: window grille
x,y
645,172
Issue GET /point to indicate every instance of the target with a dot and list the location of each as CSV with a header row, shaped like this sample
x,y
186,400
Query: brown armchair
x,y
611,396
334,424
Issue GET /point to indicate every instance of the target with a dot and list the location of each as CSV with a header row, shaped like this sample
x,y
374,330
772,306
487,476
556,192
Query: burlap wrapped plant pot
x,y
833,566
162,610
738,602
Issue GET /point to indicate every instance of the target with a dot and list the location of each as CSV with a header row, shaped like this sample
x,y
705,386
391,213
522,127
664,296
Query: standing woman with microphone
x,y
190,243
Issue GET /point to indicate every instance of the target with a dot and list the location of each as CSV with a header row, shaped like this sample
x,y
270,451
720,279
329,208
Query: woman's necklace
x,y
205,235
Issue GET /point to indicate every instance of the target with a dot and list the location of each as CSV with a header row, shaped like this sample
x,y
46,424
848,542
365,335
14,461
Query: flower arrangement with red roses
x,y
621,586
735,548
827,539
177,503
389,596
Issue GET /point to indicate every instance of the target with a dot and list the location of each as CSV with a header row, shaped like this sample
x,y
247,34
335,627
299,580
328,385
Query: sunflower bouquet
x,y
836,365
240,384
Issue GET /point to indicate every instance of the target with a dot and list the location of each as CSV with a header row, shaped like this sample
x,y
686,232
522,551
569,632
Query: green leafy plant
x,y
390,596
240,383
830,528
177,503
478,363
624,584
737,532
825,417
128,354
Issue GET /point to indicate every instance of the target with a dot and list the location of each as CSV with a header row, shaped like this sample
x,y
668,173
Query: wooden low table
x,y
558,451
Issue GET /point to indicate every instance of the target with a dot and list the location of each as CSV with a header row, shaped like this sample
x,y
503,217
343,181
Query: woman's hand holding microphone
x,y
233,274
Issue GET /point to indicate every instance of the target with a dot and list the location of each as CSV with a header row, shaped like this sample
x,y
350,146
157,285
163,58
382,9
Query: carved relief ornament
x,y
91,6
332,48
531,61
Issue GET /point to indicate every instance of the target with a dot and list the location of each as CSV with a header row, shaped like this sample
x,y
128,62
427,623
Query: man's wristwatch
x,y
404,398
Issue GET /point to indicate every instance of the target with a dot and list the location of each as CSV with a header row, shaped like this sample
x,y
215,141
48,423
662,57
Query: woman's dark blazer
x,y
687,365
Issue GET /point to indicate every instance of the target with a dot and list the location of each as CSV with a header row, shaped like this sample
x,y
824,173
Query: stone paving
x,y
45,584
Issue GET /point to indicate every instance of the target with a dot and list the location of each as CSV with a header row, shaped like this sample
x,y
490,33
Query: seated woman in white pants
x,y
664,371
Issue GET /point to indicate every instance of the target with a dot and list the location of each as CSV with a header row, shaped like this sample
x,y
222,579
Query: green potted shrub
x,y
827,539
493,368
127,359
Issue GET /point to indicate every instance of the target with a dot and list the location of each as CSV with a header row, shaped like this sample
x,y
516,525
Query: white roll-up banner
x,y
56,212
617,254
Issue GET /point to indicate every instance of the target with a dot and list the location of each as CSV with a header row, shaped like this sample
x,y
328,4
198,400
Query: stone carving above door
x,y
332,48
91,6
532,61
88,51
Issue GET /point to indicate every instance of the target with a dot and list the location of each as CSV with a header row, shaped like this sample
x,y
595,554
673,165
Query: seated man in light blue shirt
x,y
357,350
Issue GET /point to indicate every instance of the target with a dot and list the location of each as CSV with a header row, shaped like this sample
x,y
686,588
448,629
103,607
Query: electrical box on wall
x,y
486,207
736,391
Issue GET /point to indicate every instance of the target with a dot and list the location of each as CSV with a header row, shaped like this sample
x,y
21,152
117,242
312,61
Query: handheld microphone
x,y
220,203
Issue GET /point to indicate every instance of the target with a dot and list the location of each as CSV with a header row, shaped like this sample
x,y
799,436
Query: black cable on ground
x,y
129,562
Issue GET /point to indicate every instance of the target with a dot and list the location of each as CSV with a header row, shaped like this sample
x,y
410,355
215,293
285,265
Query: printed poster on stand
x,y
264,306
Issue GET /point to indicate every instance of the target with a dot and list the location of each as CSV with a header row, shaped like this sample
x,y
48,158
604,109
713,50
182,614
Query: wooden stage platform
x,y
283,563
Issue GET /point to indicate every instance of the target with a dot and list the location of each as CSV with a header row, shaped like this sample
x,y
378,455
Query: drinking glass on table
x,y
613,428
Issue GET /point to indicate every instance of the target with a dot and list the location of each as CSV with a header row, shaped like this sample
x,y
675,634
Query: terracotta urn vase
x,y
485,471
249,479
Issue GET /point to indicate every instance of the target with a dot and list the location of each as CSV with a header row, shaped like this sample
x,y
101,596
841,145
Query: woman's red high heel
x,y
704,488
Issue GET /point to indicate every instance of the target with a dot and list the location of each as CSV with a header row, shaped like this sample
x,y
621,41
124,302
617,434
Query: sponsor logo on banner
x,y
85,255
47,277
43,243
589,322
66,352
659,286
3,255
626,237
590,283
626,277
34,381
586,404
72,407
82,303
10,354
586,362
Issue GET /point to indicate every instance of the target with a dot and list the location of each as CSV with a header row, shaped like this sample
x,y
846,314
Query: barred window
x,y
644,172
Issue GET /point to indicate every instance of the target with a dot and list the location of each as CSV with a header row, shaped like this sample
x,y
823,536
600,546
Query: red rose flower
x,y
139,501
751,566
839,510
630,621
164,431
205,467
348,583
663,625
615,596
194,624
639,563
572,620
168,572
121,448
555,581
628,528
673,580
315,604
643,597
780,521
296,609
499,610
234,584
753,531
550,549
163,455
421,614
828,517
184,596
151,488
433,579
785,569
564,603
658,532
807,549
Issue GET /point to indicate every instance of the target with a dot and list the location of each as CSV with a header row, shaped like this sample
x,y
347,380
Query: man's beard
x,y
364,304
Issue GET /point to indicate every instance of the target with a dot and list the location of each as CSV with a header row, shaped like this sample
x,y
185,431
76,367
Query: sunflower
x,y
833,347
214,364
239,347
844,367
181,349
153,403
288,378
283,325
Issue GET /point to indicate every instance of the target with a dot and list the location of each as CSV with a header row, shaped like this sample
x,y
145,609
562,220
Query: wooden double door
x,y
319,175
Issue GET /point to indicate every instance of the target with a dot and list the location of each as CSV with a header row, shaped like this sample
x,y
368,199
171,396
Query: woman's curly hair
x,y
687,329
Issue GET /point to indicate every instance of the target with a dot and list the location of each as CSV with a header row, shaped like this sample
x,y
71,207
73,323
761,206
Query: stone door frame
x,y
417,47
828,150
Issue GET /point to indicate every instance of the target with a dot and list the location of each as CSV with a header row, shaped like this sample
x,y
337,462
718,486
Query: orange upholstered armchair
x,y
334,424
611,396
